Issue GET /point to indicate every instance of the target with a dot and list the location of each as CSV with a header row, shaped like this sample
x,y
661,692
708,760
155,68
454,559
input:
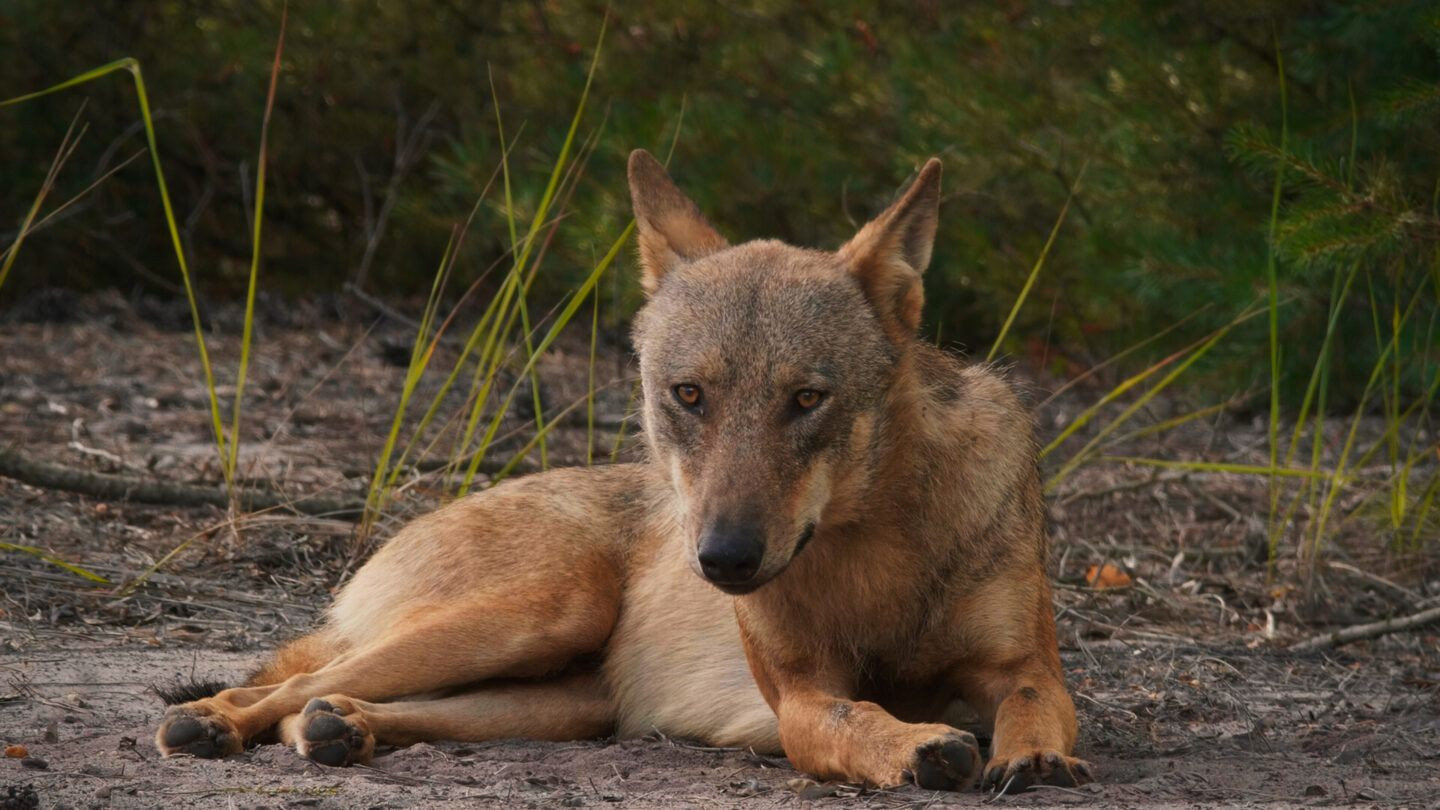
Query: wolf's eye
x,y
688,395
807,399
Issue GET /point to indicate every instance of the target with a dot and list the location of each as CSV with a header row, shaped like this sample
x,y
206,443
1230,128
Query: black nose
x,y
730,553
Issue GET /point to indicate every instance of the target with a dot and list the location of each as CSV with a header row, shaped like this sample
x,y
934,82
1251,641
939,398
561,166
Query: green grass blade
x,y
1391,434
133,67
577,298
1039,263
1315,390
247,332
386,473
127,63
515,460
1273,286
27,229
1117,357
1338,479
55,561
1312,386
62,154
590,379
517,282
1422,511
515,250
419,359
1080,457
1135,379
420,351
1177,421
1214,467
542,211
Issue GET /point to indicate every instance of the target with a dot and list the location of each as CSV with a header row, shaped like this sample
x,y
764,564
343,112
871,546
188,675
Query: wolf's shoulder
x,y
951,381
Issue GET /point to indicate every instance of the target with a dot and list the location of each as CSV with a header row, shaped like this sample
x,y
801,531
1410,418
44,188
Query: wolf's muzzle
x,y
730,552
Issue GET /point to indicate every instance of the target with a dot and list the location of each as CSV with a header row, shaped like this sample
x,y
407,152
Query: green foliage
x,y
800,120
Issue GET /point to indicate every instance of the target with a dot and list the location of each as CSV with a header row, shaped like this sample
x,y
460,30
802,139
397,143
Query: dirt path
x,y
1186,695
1164,726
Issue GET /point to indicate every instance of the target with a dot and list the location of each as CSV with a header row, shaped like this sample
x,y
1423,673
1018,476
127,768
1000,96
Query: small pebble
x,y
34,762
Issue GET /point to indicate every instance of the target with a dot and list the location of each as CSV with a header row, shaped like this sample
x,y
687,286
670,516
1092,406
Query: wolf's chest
x,y
675,663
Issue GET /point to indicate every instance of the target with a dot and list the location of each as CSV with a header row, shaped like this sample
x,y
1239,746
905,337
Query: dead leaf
x,y
1103,577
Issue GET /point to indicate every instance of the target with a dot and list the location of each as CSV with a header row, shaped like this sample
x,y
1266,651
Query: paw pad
x,y
206,736
949,762
329,738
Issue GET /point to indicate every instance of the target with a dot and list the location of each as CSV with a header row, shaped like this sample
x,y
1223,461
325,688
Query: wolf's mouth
x,y
805,536
743,588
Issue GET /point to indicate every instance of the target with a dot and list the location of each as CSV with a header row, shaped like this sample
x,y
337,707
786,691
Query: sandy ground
x,y
1163,726
1187,697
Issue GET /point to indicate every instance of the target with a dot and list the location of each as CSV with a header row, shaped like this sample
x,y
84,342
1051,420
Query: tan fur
x,y
879,553
304,654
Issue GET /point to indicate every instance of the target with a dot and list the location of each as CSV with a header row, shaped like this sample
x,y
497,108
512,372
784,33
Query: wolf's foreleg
x,y
1035,726
1013,677
858,741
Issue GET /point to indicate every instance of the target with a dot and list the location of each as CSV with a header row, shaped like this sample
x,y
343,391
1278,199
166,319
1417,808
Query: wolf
x,y
838,532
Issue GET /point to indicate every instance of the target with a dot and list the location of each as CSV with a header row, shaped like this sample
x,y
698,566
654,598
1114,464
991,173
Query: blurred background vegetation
x,y
800,118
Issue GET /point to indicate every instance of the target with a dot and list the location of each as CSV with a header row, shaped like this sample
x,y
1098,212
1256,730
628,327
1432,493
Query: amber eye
x,y
688,395
808,399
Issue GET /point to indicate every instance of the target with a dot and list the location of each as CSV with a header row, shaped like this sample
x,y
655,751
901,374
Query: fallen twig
x,y
123,487
1357,632
1403,591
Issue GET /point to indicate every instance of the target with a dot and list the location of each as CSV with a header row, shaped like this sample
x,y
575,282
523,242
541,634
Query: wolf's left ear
x,y
669,227
888,255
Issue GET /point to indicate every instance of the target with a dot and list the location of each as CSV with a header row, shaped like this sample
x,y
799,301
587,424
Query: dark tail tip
x,y
184,690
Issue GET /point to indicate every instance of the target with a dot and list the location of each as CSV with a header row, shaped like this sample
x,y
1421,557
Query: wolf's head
x,y
766,369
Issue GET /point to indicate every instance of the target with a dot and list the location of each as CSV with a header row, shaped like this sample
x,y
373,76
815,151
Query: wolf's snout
x,y
730,552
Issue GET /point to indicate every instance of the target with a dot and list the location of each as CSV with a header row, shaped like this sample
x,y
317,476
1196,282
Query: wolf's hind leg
x,y
339,730
526,634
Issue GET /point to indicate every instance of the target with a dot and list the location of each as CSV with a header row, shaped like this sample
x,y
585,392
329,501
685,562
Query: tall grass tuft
x,y
233,459
484,350
1272,286
133,68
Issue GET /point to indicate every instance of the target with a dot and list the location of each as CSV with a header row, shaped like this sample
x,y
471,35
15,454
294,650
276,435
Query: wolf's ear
x,y
888,255
669,226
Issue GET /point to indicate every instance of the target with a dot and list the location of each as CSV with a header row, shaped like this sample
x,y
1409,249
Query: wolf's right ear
x,y
669,227
888,255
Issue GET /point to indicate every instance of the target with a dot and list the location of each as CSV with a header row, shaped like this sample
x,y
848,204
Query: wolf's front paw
x,y
332,731
1015,774
948,762
197,730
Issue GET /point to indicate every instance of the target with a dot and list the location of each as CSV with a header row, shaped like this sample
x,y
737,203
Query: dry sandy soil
x,y
1187,696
